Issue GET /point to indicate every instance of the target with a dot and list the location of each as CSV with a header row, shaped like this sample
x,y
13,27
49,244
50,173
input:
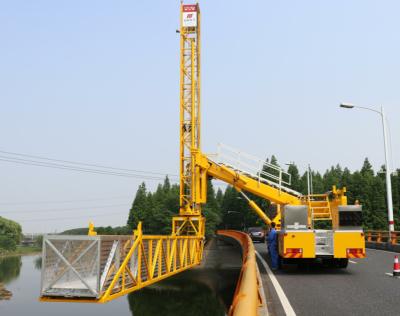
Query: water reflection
x,y
176,298
201,291
191,293
38,263
10,268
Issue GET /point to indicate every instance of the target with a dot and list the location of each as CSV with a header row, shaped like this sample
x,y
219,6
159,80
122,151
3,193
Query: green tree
x,y
295,178
138,207
10,235
268,171
219,197
155,210
332,177
211,210
227,209
236,213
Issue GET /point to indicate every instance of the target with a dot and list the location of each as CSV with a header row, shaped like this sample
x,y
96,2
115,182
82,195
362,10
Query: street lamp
x,y
388,173
347,105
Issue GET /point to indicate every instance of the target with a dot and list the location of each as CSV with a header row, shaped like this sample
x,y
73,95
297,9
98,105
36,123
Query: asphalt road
x,y
361,289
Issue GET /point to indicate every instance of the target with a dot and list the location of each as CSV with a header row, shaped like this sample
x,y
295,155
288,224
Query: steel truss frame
x,y
144,260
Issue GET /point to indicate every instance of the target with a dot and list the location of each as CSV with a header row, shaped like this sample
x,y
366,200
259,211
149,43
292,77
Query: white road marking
x,y
391,275
351,261
282,296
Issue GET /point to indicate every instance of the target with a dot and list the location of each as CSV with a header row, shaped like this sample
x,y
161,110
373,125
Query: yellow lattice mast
x,y
193,180
189,107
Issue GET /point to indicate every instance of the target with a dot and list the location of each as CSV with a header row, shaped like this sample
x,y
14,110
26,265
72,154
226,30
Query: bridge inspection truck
x,y
98,269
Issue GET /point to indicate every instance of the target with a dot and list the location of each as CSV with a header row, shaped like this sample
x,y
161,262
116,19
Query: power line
x,y
79,169
68,218
84,163
61,166
66,201
62,209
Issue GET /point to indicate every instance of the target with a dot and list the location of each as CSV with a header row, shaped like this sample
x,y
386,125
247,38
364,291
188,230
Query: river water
x,y
201,291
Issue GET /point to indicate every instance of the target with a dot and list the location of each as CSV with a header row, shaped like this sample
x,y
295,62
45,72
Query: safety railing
x,y
381,237
247,300
254,167
97,269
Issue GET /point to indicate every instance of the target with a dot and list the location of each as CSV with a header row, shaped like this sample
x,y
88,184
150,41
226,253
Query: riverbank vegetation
x,y
108,230
10,235
24,250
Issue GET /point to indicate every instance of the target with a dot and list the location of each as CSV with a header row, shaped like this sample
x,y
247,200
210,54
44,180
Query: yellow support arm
x,y
245,183
257,209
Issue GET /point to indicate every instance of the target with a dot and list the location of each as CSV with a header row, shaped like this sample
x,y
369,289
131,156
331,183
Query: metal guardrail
x,y
247,299
381,237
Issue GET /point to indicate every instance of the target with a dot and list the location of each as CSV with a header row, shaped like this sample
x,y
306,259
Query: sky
x,y
98,82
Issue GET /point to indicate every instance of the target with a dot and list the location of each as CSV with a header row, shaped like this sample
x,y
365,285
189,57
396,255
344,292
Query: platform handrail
x,y
253,166
247,299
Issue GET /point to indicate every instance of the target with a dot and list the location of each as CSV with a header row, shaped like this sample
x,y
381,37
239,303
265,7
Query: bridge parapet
x,y
381,239
249,299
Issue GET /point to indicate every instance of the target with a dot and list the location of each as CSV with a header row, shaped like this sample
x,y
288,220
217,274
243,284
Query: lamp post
x,y
388,173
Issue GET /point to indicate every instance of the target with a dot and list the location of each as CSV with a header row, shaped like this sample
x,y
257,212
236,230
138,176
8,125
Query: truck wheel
x,y
342,263
304,264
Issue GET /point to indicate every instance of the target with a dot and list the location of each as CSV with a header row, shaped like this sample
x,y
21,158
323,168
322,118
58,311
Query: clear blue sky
x,y
97,81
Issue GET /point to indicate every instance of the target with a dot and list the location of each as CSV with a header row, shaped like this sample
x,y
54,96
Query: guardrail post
x,y
393,238
369,236
379,239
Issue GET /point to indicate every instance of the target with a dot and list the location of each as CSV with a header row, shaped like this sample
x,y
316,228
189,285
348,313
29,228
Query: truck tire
x,y
342,263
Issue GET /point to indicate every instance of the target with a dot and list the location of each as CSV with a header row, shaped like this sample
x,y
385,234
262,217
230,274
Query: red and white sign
x,y
189,15
190,8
